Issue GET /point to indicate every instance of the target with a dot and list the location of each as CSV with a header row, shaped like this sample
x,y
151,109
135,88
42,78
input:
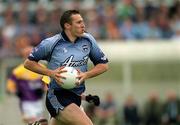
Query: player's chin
x,y
82,31
80,34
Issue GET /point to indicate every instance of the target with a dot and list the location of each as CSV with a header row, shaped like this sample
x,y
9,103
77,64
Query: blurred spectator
x,y
125,9
140,29
131,112
176,36
105,113
153,31
111,23
24,26
175,25
175,9
1,40
100,10
93,23
54,21
39,19
9,27
7,32
145,28
21,42
171,109
152,110
164,22
127,29
150,9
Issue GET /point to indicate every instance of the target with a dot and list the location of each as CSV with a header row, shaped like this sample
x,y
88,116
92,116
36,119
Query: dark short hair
x,y
66,17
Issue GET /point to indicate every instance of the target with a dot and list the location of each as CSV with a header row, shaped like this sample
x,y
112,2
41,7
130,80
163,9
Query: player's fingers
x,y
79,76
79,71
77,83
60,76
59,81
63,77
61,67
61,71
58,69
80,80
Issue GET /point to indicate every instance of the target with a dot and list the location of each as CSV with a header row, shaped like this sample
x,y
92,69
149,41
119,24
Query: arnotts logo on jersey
x,y
70,62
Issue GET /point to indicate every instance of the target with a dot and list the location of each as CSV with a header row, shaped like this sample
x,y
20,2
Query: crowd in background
x,y
34,20
154,111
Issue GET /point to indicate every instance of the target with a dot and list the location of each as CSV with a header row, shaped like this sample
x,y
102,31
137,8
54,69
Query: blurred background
x,y
141,39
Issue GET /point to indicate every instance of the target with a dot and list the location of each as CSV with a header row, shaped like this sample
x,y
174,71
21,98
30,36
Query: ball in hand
x,y
70,78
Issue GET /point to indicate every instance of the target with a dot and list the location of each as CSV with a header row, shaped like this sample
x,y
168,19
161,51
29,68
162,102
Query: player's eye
x,y
80,22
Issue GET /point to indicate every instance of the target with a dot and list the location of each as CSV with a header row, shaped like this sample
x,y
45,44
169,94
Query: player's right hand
x,y
56,75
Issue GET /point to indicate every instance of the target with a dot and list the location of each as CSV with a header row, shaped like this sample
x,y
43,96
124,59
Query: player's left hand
x,y
81,76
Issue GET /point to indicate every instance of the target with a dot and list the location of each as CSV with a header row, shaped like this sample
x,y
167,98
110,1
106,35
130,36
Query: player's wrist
x,y
88,75
50,73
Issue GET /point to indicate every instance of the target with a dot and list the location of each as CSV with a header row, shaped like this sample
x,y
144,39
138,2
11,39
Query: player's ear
x,y
67,25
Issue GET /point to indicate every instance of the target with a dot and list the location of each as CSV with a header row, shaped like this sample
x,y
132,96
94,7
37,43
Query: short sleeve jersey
x,y
59,51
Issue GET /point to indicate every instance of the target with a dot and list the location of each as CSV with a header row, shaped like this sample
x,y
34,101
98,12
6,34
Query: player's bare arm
x,y
97,70
36,67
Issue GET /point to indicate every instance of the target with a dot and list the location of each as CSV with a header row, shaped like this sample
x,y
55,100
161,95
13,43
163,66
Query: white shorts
x,y
33,109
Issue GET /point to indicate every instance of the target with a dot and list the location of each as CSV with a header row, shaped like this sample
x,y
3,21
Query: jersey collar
x,y
65,37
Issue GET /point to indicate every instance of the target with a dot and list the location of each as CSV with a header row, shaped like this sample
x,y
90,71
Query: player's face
x,y
77,25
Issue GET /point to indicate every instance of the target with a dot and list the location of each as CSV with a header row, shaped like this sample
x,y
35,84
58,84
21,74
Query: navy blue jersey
x,y
59,51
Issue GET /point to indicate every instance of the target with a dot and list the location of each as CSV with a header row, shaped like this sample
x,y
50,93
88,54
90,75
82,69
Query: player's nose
x,y
82,25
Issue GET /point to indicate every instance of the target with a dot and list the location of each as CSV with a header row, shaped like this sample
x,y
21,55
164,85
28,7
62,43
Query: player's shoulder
x,y
89,36
52,39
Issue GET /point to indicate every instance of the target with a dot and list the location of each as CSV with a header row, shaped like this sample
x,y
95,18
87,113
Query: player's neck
x,y
70,36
